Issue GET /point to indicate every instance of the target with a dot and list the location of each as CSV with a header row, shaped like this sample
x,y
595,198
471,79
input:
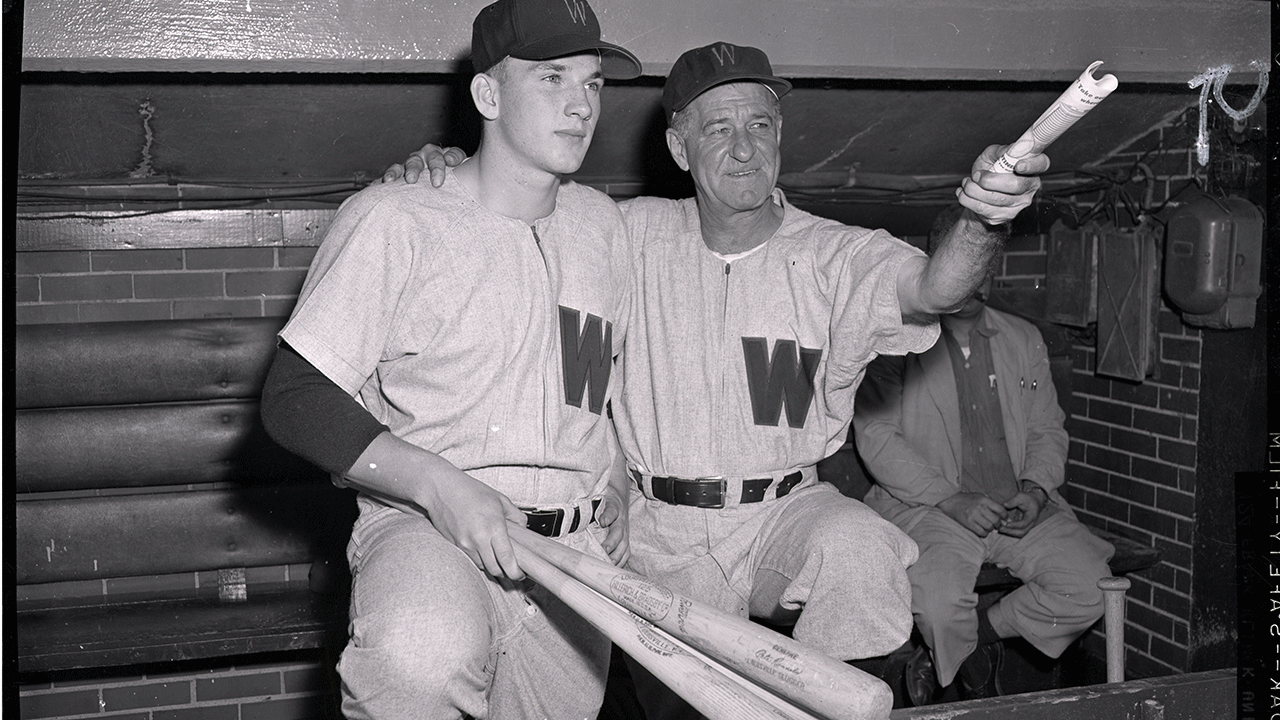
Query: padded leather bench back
x,y
121,419
94,538
118,363
141,404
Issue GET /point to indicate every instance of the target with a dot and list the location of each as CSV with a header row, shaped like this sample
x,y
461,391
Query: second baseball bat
x,y
819,683
708,689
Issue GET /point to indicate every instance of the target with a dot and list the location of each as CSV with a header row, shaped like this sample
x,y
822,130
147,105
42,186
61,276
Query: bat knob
x,y
1114,584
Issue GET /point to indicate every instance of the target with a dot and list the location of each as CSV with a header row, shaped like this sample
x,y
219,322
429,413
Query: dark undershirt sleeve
x,y
310,416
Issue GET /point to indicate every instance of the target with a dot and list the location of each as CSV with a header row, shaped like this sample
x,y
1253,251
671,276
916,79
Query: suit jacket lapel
x,y
941,383
1005,361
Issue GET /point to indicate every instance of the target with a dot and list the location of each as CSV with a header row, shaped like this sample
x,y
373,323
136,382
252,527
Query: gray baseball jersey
x,y
749,368
476,336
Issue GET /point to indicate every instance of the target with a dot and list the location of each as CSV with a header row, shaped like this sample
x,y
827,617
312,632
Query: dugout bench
x,y
155,520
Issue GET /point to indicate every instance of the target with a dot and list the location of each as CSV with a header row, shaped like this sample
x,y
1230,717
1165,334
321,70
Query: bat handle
x,y
1113,589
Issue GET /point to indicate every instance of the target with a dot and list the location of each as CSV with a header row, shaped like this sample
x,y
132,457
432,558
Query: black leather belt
x,y
551,522
710,493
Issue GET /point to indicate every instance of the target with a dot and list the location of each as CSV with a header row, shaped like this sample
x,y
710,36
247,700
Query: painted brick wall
x,y
1132,468
297,690
1132,458
68,286
1133,447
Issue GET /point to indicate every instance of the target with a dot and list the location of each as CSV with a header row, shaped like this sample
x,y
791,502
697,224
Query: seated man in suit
x,y
966,447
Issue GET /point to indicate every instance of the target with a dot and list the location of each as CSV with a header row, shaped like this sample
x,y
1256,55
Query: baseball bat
x,y
708,688
1113,589
804,676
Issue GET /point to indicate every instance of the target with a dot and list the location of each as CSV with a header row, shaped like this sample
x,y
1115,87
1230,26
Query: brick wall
x,y
1132,457
1133,445
68,286
269,691
1132,467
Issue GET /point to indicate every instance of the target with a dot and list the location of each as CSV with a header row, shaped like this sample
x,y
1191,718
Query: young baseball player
x,y
450,357
753,326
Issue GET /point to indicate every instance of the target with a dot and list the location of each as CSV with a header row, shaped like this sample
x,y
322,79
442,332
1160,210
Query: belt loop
x,y
661,489
786,484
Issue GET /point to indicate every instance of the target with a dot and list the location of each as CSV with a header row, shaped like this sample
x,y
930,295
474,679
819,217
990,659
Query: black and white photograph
x,y
640,360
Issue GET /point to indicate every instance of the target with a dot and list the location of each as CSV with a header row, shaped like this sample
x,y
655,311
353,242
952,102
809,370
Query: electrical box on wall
x,y
1212,261
1128,300
1071,275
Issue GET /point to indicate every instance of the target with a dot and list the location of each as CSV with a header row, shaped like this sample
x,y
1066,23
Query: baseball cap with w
x,y
700,69
542,30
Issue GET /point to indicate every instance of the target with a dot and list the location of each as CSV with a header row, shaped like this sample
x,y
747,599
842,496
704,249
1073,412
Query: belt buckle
x,y
699,493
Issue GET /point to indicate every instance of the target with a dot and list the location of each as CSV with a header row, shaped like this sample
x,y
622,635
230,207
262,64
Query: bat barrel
x,y
707,687
790,669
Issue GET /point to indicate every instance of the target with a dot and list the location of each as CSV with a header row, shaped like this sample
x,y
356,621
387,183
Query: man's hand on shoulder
x,y
430,157
976,512
997,198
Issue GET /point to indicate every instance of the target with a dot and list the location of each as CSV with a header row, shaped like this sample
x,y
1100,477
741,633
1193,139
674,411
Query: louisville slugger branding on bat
x,y
654,603
781,663
642,597
715,691
652,640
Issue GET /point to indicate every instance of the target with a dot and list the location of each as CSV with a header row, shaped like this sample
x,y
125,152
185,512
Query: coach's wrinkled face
x,y
729,139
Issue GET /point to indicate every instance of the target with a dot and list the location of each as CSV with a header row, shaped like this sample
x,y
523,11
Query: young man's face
x,y
732,146
548,109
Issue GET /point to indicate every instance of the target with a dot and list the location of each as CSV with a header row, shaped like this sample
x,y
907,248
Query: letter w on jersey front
x,y
783,380
585,353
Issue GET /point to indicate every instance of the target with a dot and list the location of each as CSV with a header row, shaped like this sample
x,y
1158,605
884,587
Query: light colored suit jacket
x,y
907,421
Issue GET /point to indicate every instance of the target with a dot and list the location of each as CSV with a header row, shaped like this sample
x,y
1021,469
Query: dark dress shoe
x,y
980,672
920,678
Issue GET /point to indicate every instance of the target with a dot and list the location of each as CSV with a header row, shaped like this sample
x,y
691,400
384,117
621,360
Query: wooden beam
x,y
98,230
1147,41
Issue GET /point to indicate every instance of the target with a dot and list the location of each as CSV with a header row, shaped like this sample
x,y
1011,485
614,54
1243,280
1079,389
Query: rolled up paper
x,y
1078,99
